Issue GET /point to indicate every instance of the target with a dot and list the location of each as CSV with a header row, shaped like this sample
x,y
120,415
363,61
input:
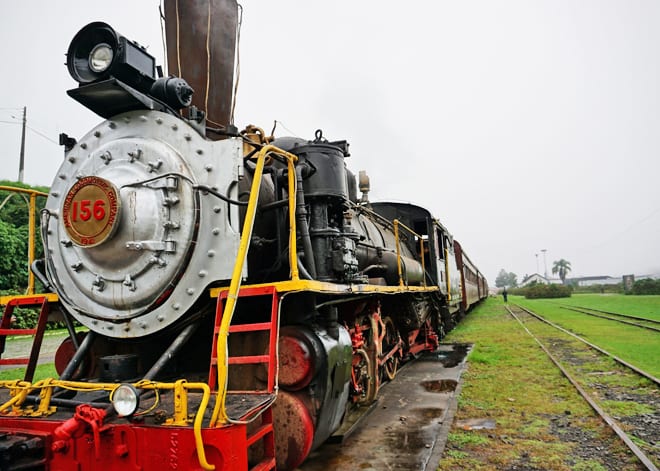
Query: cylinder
x,y
299,357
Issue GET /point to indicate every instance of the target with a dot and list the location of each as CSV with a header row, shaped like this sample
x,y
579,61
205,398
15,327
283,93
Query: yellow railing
x,y
219,412
398,223
20,389
31,227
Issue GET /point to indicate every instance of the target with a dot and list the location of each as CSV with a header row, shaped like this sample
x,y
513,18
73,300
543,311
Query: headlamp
x,y
97,52
100,58
116,75
125,400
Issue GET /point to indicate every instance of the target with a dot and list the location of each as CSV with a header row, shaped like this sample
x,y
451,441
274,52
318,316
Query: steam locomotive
x,y
238,295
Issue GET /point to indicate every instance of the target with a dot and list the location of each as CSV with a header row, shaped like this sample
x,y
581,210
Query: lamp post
x,y
545,264
537,262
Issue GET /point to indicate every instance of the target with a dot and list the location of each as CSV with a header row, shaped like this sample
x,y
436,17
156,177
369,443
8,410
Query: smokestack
x,y
201,45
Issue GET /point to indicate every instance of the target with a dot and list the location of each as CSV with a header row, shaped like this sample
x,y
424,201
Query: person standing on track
x,y
505,294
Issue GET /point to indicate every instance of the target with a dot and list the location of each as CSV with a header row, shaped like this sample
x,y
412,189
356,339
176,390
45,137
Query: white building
x,y
539,279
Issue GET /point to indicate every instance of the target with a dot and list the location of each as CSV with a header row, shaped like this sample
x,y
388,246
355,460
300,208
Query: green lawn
x,y
46,370
638,346
643,306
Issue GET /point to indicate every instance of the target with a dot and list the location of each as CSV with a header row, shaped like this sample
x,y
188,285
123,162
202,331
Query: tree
x,y
507,279
14,234
13,263
14,206
561,267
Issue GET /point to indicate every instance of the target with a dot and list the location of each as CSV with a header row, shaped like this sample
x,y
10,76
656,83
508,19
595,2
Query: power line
x,y
42,135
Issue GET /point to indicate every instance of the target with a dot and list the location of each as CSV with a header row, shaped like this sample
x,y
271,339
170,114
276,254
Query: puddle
x,y
450,355
440,385
476,424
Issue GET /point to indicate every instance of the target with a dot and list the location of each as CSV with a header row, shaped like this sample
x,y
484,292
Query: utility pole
x,y
21,163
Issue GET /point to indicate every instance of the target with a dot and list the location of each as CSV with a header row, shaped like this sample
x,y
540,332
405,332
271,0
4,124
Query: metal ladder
x,y
264,432
41,301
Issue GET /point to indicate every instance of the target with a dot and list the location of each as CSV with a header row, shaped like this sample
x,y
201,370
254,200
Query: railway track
x,y
641,322
569,352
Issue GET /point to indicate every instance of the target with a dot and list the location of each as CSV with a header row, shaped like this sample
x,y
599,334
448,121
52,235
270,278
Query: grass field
x,y
643,306
46,370
638,346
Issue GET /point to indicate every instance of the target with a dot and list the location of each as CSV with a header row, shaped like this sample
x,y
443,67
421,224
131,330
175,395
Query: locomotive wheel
x,y
367,325
362,380
390,341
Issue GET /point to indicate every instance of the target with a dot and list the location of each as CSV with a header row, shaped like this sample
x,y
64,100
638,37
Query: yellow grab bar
x,y
219,411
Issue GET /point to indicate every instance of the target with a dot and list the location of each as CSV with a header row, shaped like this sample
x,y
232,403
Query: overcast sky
x,y
522,125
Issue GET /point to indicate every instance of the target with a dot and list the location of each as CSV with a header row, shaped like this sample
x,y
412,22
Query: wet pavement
x,y
407,428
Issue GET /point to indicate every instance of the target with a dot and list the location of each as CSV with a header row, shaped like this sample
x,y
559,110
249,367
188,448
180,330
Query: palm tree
x,y
562,267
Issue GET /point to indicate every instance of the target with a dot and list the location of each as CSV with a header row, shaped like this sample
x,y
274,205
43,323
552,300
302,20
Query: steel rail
x,y
595,347
641,456
601,316
628,316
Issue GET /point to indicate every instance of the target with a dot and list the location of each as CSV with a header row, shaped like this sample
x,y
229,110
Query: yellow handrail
x,y
31,227
219,411
396,224
21,389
